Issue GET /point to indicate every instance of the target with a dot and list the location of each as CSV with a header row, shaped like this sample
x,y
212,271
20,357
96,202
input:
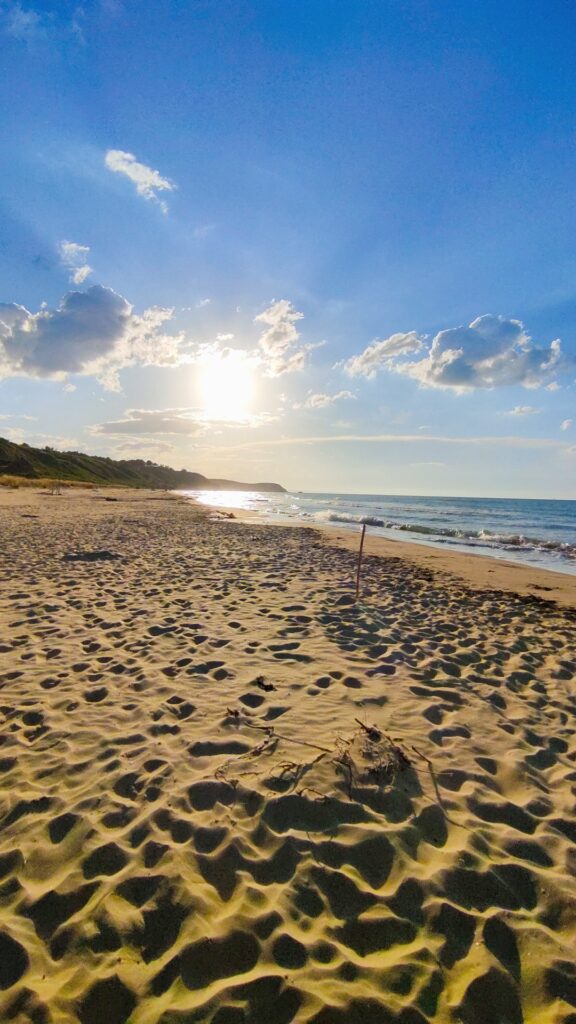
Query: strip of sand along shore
x,y
229,793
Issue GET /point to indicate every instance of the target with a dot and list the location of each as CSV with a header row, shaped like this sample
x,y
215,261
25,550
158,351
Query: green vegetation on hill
x,y
23,461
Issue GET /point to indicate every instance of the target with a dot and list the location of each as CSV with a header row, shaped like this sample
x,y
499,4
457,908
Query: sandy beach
x,y
229,793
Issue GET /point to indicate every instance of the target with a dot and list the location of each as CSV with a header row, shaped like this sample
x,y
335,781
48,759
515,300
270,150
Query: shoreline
x,y
514,547
479,571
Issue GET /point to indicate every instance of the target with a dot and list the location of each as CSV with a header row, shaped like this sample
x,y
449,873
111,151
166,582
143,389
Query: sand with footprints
x,y
229,793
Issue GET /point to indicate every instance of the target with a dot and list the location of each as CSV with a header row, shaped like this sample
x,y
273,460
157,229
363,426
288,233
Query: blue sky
x,y
327,243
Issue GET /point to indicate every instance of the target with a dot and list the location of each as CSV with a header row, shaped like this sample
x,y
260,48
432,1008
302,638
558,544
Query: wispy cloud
x,y
18,435
140,449
153,421
503,442
148,182
183,421
434,465
198,305
112,8
523,410
203,230
17,416
74,257
51,24
321,400
566,424
22,23
492,351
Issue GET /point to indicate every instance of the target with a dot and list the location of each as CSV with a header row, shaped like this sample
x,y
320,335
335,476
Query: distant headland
x,y
23,461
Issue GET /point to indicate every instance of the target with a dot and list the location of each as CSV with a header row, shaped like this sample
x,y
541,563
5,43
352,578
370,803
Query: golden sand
x,y
230,794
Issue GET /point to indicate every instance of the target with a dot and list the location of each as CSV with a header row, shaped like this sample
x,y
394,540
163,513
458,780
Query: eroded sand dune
x,y
230,794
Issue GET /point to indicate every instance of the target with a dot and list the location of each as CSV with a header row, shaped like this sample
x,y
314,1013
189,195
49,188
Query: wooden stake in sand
x,y
358,570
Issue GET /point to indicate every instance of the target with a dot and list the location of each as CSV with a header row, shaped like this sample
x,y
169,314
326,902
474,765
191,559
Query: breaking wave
x,y
471,538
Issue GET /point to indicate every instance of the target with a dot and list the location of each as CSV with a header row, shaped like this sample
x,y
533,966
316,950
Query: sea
x,y
539,533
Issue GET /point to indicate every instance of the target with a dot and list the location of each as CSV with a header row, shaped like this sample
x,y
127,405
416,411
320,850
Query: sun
x,y
226,386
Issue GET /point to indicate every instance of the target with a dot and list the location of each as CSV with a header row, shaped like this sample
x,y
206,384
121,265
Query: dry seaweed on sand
x,y
367,756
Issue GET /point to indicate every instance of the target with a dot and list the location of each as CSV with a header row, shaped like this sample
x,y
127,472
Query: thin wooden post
x,y
360,560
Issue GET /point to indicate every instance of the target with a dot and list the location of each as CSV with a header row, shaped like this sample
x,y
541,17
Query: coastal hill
x,y
35,463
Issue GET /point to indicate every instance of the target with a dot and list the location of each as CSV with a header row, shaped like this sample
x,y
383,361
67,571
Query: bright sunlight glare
x,y
226,385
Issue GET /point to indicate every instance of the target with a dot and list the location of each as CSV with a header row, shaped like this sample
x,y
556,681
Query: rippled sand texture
x,y
212,808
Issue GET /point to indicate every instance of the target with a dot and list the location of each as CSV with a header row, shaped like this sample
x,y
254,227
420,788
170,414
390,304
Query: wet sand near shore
x,y
229,793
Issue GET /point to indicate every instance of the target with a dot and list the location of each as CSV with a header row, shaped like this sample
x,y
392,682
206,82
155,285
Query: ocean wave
x,y
471,538
330,516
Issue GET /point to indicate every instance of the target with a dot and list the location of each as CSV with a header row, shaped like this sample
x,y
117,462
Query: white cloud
x,y
566,424
93,333
74,257
72,253
379,354
523,410
203,302
80,274
320,400
278,344
281,333
154,421
492,351
148,182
